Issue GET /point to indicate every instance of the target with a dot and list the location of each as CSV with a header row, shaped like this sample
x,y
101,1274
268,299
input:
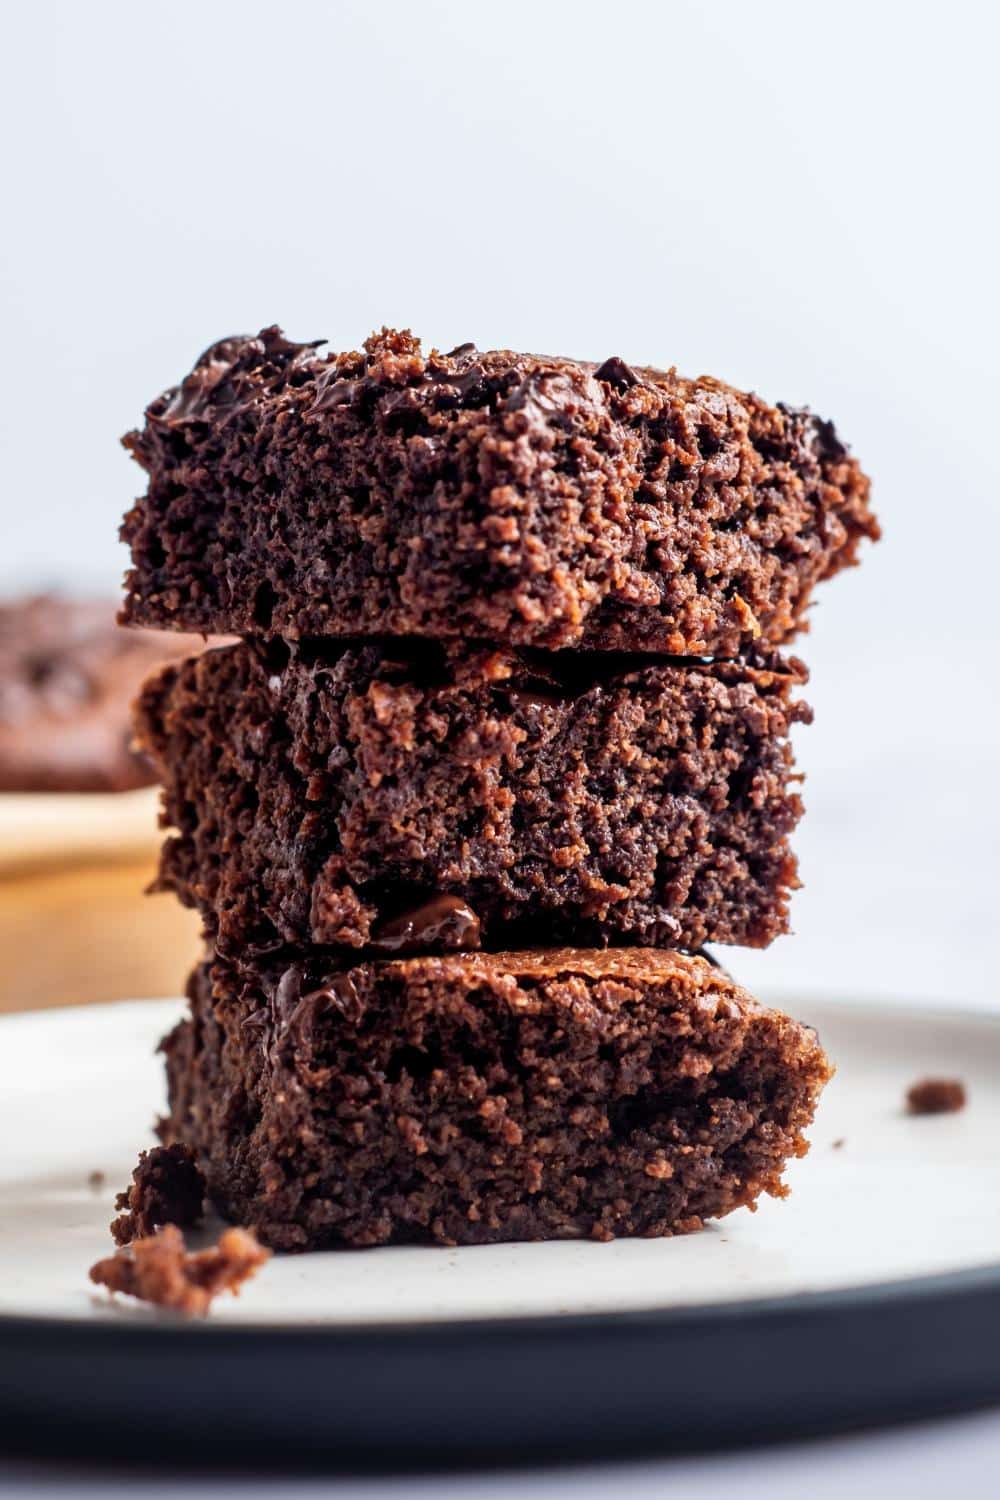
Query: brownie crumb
x,y
936,1096
166,1188
96,1180
160,1269
839,1143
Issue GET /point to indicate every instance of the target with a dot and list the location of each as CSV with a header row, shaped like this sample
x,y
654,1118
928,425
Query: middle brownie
x,y
400,797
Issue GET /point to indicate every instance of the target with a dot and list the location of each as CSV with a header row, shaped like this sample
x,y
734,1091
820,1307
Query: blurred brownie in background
x,y
78,811
68,677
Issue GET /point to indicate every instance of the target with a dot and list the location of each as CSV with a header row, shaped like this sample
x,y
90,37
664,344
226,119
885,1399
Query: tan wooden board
x,y
60,827
75,922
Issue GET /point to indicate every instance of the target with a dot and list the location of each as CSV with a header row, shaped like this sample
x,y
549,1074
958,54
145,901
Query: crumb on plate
x,y
936,1096
160,1269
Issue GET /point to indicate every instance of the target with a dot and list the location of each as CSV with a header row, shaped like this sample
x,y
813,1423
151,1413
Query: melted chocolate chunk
x,y
286,995
443,922
334,389
278,348
532,700
208,387
216,384
617,373
341,992
546,394
297,1015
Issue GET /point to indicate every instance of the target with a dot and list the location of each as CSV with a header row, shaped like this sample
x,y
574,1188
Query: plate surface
x,y
873,1292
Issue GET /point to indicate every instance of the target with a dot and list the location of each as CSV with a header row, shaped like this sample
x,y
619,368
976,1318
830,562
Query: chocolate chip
x,y
617,373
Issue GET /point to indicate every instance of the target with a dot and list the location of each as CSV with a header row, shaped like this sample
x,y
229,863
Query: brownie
x,y
68,675
477,1098
514,498
391,799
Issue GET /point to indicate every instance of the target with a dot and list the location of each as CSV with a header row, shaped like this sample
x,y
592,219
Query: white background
x,y
797,197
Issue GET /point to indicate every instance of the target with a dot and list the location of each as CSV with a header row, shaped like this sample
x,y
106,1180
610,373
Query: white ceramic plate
x,y
901,1197
897,1201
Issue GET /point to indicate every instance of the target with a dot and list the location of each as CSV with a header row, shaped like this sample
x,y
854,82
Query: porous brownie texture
x,y
68,675
400,800
508,497
476,1098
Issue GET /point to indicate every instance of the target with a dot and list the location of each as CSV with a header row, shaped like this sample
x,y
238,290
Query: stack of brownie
x,y
504,743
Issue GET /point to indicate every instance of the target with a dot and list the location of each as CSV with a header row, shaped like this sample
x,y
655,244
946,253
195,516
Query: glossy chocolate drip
x,y
296,1014
287,992
213,384
279,349
335,389
443,922
341,992
460,372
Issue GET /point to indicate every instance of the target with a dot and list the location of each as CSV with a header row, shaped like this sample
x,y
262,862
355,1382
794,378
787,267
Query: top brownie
x,y
505,497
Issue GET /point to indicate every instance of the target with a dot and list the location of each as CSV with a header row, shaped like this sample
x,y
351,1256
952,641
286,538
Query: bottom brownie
x,y
485,1097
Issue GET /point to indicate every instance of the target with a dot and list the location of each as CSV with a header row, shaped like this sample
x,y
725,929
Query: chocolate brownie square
x,y
507,497
476,1098
389,798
